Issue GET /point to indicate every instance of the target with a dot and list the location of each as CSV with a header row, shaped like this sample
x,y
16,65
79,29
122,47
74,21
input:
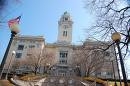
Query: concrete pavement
x,y
27,83
51,81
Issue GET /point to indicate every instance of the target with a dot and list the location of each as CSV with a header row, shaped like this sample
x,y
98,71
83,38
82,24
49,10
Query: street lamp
x,y
8,69
116,37
14,31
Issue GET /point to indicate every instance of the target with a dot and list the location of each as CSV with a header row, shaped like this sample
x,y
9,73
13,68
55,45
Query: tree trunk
x,y
35,71
88,73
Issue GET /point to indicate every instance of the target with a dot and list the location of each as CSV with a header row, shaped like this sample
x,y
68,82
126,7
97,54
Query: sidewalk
x,y
39,83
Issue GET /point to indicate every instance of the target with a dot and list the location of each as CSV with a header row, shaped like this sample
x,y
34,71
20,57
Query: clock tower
x,y
65,29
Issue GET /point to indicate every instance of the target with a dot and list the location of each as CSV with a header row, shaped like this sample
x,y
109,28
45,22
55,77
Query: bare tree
x,y
38,58
91,58
16,64
112,16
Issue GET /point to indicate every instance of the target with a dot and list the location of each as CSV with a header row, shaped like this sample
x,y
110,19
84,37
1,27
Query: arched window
x,y
66,18
64,33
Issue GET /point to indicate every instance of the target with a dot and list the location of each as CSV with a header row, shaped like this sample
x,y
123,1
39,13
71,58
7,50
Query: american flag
x,y
14,21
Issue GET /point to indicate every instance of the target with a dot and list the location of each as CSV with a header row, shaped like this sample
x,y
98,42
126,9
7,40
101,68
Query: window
x,y
109,73
98,73
64,33
63,61
32,41
29,54
38,45
18,55
31,46
103,73
21,40
63,54
66,19
20,47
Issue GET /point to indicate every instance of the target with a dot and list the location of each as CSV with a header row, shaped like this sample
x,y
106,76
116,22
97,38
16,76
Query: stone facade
x,y
65,29
21,45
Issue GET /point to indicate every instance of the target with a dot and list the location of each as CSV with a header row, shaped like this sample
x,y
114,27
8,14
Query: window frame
x,y
20,47
18,55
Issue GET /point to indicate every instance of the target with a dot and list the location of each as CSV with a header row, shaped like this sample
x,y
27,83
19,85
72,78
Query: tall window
x,y
18,55
64,33
63,57
63,54
20,47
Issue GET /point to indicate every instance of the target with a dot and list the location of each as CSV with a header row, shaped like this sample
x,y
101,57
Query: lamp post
x,y
114,73
116,38
78,70
8,69
117,64
14,31
48,68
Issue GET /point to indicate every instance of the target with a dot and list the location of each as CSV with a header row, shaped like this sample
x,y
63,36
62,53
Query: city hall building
x,y
63,50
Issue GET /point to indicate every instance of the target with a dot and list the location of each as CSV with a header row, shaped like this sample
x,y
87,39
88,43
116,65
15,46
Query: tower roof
x,y
67,16
66,13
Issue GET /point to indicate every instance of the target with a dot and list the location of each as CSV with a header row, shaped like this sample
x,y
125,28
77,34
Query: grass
x,y
95,79
5,83
110,83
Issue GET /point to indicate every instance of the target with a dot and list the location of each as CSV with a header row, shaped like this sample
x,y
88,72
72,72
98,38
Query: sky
x,y
40,18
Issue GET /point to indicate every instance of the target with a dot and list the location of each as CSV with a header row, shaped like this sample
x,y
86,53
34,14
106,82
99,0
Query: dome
x,y
66,17
66,14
